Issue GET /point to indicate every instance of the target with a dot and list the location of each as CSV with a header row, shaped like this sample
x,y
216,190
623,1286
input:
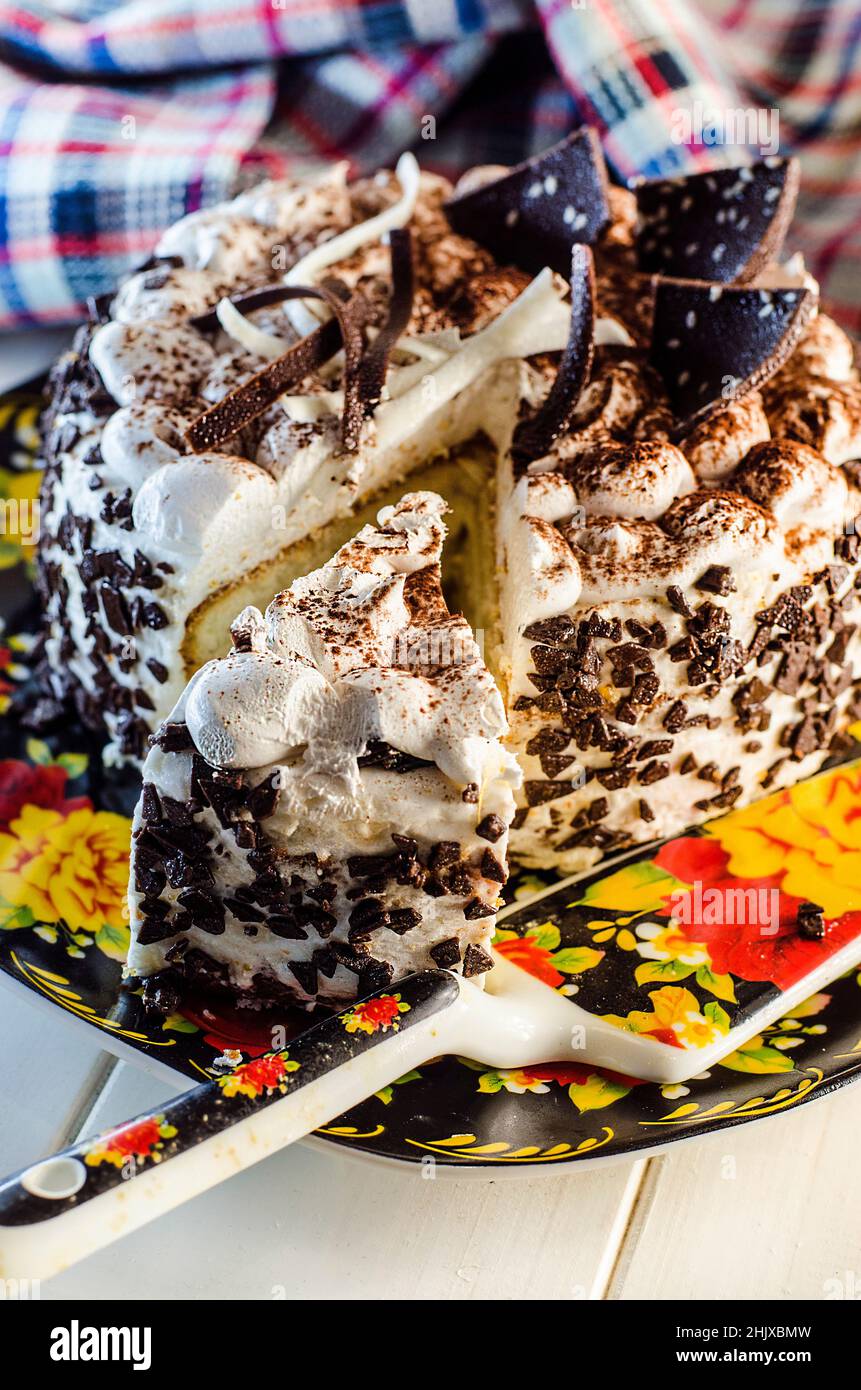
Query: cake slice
x,y
327,807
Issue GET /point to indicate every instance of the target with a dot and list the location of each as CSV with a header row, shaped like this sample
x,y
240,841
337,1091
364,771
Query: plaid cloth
x,y
117,119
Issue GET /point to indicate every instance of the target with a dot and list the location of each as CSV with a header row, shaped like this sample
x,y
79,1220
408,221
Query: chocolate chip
x,y
154,616
678,602
674,719
150,803
717,580
376,974
160,671
154,929
810,921
383,755
446,953
284,925
653,772
537,793
475,908
556,632
654,748
173,738
491,867
263,799
476,961
491,827
403,919
305,971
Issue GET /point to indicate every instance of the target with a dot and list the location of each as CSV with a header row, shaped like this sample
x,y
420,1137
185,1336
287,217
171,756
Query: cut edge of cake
x,y
358,715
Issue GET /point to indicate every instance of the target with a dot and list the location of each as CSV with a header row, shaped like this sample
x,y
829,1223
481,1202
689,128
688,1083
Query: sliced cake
x,y
653,478
327,807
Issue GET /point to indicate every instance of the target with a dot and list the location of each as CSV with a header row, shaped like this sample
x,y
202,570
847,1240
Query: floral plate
x,y
681,976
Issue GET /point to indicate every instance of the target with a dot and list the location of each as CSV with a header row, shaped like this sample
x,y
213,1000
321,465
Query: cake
x,y
646,430
327,807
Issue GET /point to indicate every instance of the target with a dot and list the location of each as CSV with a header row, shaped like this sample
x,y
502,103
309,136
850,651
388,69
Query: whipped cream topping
x,y
236,240
797,485
632,480
716,447
136,363
138,439
826,415
167,294
824,351
342,659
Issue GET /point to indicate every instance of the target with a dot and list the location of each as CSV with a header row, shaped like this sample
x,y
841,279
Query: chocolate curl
x,y
376,360
247,303
249,400
535,437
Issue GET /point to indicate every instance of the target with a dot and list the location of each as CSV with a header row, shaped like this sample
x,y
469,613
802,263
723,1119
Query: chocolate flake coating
x,y
532,216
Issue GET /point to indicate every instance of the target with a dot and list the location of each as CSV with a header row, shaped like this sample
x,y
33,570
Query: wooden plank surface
x,y
767,1210
48,1077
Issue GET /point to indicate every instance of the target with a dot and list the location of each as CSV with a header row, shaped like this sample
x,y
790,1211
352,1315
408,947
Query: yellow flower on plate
x,y
668,942
675,1019
812,834
71,868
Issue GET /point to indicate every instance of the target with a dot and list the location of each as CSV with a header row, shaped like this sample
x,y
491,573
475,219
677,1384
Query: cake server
x,y
660,922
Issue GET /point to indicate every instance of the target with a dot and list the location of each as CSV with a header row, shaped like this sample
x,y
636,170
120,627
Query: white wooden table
x,y
768,1210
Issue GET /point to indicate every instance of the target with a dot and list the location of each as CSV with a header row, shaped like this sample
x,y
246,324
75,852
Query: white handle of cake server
x,y
65,1207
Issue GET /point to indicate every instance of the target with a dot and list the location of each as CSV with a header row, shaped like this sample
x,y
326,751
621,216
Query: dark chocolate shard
x,y
372,376
534,437
346,329
714,344
534,214
725,225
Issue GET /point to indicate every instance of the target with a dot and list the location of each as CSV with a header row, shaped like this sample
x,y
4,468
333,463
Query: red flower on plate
x,y
575,1074
375,1015
693,858
768,949
748,924
137,1139
534,959
23,784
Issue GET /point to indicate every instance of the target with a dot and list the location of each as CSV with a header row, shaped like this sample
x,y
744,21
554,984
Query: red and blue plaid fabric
x,y
117,118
